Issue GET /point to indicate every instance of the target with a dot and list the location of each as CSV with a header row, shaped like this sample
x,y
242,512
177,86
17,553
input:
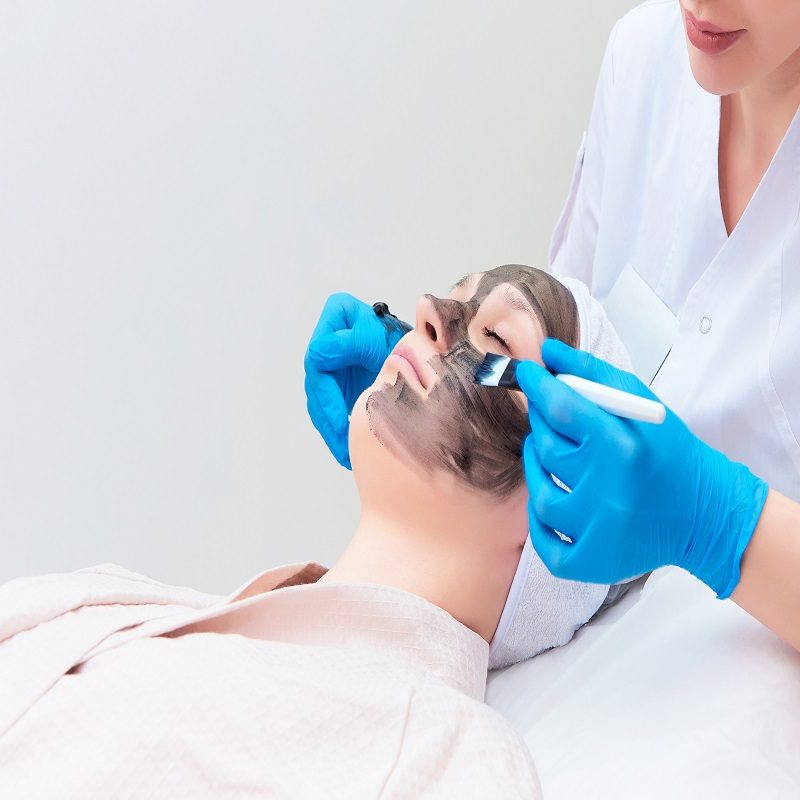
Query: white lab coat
x,y
645,193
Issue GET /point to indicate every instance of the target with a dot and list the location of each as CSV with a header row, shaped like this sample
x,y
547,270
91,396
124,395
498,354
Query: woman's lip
x,y
709,27
408,355
708,37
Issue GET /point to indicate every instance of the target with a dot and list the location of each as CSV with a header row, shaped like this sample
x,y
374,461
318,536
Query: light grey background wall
x,y
182,184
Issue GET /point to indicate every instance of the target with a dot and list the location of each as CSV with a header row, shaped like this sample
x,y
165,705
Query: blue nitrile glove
x,y
643,495
346,352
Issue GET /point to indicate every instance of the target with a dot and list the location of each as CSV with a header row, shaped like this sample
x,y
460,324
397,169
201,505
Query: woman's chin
x,y
380,463
359,432
715,78
369,455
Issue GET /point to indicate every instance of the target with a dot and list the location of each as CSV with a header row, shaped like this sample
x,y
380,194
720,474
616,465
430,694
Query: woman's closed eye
x,y
492,334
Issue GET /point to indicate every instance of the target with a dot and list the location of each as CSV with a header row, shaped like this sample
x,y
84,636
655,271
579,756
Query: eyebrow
x,y
463,282
515,301
512,296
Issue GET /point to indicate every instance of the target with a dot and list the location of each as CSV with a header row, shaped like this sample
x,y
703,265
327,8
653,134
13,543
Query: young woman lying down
x,y
365,680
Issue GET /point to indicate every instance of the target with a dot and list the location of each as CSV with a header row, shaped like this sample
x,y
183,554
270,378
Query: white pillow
x,y
672,693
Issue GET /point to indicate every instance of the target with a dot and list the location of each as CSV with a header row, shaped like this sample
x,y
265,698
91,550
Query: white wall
x,y
181,185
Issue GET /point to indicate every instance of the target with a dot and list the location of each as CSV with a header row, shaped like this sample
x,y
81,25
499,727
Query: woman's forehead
x,y
464,289
479,285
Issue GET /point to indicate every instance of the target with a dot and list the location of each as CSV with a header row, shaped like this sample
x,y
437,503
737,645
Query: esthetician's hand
x,y
345,355
643,495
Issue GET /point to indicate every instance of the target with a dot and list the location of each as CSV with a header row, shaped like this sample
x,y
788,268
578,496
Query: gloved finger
x,y
558,455
548,502
334,436
325,399
338,446
562,558
341,451
560,357
554,551
563,409
335,441
344,348
339,312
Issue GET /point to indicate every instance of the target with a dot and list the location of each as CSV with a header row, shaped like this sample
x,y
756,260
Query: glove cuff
x,y
757,491
735,498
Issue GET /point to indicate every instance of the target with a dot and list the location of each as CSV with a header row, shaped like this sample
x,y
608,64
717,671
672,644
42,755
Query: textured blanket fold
x,y
115,685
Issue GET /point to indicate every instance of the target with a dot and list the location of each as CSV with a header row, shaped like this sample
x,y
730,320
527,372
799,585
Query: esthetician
x,y
688,184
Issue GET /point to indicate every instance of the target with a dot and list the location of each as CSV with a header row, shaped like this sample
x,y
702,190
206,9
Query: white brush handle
x,y
615,401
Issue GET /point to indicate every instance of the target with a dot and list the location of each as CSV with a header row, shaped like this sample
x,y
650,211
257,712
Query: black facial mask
x,y
465,429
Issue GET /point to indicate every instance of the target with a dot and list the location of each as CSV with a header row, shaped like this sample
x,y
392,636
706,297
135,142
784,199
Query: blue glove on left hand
x,y
643,496
346,352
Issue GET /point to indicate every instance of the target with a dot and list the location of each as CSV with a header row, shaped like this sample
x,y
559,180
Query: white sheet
x,y
672,693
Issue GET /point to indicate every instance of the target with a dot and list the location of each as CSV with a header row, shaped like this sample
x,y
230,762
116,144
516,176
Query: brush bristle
x,y
491,370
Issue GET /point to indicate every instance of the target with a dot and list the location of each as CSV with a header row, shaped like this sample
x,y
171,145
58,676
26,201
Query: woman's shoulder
x,y
644,76
648,41
649,22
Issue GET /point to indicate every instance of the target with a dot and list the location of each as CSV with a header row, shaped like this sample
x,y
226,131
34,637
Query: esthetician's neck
x,y
760,113
465,570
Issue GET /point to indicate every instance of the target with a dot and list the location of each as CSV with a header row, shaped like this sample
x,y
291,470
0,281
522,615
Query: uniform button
x,y
705,325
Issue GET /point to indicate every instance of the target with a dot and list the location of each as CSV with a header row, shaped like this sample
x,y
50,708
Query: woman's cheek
x,y
529,348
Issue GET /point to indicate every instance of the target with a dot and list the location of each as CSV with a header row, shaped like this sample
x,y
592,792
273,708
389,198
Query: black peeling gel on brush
x,y
501,371
496,370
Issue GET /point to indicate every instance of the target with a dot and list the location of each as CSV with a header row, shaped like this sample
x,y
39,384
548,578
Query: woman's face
x,y
426,412
735,43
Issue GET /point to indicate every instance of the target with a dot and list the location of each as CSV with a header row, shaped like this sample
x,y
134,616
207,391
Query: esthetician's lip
x,y
406,354
710,38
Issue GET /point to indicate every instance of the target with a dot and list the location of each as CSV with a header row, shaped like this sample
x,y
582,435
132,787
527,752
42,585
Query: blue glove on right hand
x,y
642,495
345,355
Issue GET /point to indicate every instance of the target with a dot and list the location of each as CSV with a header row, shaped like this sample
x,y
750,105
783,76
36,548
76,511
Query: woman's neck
x,y
760,114
464,569
753,122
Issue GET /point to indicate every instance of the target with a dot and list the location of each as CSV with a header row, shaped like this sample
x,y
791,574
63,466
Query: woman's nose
x,y
440,321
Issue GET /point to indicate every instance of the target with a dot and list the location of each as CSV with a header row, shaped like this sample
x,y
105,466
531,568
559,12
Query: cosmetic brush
x,y
501,371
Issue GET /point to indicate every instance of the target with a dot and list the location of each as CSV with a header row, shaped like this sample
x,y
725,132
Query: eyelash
x,y
493,335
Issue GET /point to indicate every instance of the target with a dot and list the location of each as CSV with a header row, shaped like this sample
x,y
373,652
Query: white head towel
x,y
542,611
